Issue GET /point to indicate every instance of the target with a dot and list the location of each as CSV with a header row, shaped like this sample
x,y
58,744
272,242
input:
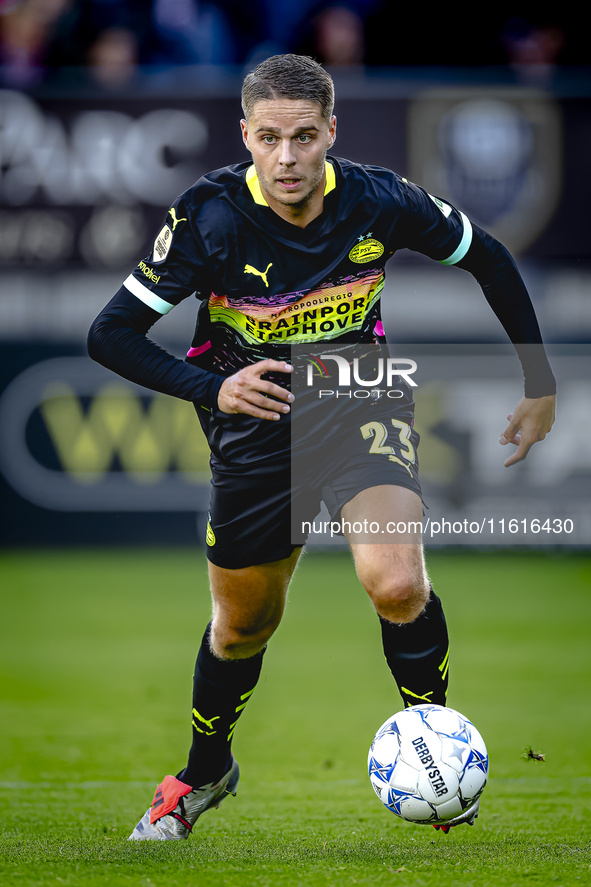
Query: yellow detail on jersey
x,y
254,186
252,180
250,269
366,251
331,179
149,272
175,221
319,316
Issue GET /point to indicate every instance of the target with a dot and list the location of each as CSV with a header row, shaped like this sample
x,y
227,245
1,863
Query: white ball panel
x,y
446,720
455,753
438,784
404,777
416,810
386,748
472,783
409,721
420,748
449,809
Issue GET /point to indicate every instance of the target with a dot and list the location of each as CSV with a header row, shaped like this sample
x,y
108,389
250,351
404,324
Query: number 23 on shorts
x,y
379,447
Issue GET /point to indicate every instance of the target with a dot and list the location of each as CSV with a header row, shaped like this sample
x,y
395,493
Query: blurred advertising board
x,y
77,441
85,181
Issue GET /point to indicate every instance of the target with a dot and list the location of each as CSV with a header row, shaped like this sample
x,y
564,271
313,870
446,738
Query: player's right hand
x,y
245,391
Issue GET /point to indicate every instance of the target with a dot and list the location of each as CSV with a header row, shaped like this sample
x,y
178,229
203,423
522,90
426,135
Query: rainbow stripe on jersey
x,y
318,315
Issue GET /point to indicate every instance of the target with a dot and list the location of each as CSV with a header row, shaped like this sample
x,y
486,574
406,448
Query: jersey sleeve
x,y
433,227
440,231
176,268
118,340
496,272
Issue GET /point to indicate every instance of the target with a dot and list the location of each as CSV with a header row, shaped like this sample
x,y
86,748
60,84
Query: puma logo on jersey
x,y
249,269
175,221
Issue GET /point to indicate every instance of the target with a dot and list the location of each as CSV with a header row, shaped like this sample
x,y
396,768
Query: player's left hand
x,y
531,421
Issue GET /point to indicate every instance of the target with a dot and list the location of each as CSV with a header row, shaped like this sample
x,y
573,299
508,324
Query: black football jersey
x,y
265,284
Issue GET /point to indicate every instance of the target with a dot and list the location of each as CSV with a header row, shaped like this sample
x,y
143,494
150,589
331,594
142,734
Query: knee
x,y
399,597
233,638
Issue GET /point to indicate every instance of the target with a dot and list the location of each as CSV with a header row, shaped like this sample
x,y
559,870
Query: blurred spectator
x,y
113,57
190,33
103,34
532,47
431,38
339,36
111,39
334,32
26,29
211,32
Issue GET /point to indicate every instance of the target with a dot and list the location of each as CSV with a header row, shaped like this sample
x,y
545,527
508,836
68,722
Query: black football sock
x,y
418,655
221,690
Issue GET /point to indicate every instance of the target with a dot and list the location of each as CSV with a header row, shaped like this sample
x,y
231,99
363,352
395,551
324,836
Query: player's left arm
x,y
438,230
495,270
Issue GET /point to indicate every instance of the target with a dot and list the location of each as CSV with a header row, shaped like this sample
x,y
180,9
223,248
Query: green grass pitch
x,y
96,657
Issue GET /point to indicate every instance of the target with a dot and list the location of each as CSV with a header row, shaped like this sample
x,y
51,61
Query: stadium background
x,y
108,110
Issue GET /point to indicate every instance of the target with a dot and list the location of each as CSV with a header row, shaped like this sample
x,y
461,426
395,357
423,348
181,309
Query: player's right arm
x,y
118,340
118,337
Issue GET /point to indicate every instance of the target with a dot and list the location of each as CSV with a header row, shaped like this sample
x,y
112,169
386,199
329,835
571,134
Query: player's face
x,y
288,140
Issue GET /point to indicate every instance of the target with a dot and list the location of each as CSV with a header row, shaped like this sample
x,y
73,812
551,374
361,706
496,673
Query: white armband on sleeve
x,y
464,244
147,296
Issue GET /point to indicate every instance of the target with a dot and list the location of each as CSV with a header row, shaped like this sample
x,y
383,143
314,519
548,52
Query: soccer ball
x,y
428,764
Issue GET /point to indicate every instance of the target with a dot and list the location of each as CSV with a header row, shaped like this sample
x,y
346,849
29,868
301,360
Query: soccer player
x,y
255,242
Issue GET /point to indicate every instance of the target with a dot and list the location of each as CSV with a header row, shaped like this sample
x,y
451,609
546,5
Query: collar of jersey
x,y
252,180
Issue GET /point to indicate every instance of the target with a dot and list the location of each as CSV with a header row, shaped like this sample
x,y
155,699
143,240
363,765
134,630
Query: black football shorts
x,y
268,478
